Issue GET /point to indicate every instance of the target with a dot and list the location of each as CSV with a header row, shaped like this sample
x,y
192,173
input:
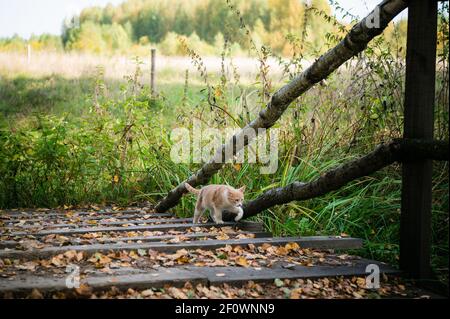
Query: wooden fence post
x,y
152,72
415,221
28,54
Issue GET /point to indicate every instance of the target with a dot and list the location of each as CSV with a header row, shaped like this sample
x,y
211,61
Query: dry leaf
x,y
291,246
30,266
281,251
84,290
36,294
147,293
279,282
222,237
241,261
177,293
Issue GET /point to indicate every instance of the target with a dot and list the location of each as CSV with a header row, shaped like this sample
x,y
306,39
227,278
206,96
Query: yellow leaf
x,y
183,260
70,254
84,290
282,251
116,179
241,261
291,246
56,261
361,282
237,166
222,237
295,294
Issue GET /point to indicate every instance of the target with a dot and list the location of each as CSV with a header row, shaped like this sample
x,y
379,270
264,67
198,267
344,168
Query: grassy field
x,y
95,135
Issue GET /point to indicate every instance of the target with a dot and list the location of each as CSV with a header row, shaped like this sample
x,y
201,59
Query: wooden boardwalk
x,y
136,248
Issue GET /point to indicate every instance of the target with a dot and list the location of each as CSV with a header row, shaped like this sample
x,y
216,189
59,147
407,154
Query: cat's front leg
x,y
238,211
218,216
239,215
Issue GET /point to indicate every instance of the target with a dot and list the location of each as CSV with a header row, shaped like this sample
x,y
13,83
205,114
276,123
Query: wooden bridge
x,y
139,249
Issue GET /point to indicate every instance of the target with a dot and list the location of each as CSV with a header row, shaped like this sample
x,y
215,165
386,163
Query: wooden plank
x,y
13,243
178,276
415,221
47,225
234,275
62,212
244,225
56,213
150,279
317,242
31,219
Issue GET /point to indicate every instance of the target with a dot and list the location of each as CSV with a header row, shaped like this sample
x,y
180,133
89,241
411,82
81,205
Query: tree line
x,y
282,25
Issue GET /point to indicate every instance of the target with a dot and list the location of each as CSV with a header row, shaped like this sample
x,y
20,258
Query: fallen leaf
x,y
241,261
279,282
84,290
222,237
36,294
177,293
296,293
142,252
147,293
291,246
58,261
70,254
30,266
281,251
361,282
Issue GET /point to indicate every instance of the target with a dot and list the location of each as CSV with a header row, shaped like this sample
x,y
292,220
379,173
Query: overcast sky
x,y
27,17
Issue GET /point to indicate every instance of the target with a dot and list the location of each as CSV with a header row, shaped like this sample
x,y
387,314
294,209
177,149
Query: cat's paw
x,y
239,215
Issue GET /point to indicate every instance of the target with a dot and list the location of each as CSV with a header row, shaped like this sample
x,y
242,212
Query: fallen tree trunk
x,y
398,150
353,43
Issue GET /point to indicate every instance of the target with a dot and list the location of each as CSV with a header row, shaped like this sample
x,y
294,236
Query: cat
x,y
217,198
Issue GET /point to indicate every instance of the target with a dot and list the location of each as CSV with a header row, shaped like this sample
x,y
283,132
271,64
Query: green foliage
x,y
44,42
92,37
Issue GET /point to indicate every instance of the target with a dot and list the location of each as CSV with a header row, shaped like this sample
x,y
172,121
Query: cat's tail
x,y
192,189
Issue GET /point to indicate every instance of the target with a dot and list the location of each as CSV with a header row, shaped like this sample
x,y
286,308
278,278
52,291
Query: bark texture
x,y
353,43
398,150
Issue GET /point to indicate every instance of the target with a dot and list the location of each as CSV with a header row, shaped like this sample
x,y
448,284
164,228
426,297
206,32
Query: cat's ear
x,y
242,189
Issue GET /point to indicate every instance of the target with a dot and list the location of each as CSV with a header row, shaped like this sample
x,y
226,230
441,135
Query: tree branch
x,y
398,150
353,43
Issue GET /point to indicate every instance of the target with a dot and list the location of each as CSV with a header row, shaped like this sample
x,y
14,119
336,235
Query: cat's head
x,y
236,196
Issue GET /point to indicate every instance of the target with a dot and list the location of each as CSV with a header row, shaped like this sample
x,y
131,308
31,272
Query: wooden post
x,y
28,53
415,221
152,72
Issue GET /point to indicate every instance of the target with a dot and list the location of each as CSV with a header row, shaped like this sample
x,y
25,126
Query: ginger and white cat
x,y
217,198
